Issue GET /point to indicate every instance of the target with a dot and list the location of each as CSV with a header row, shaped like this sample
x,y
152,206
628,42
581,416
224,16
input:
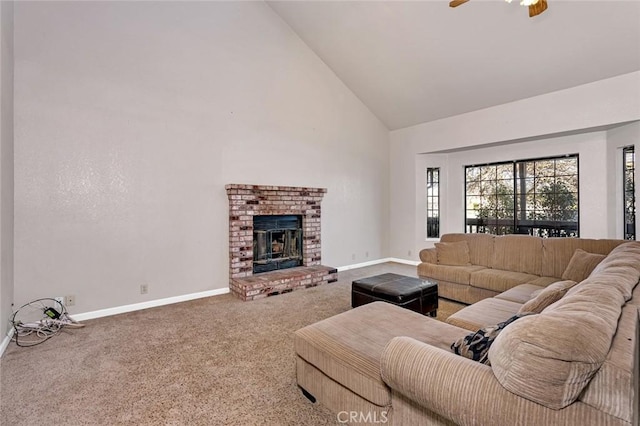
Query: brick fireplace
x,y
248,201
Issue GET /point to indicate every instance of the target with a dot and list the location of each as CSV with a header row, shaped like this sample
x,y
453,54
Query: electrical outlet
x,y
144,288
366,254
409,253
69,300
353,256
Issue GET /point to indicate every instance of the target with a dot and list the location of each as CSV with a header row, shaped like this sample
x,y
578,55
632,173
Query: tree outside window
x,y
535,197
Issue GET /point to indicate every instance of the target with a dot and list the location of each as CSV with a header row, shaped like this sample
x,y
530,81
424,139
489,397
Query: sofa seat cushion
x,y
347,347
520,294
499,280
454,274
544,281
484,313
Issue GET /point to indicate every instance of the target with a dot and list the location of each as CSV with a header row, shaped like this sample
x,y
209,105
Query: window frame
x,y
629,230
432,185
514,208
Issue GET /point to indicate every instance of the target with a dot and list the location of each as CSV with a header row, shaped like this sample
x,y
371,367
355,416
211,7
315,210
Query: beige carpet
x,y
213,361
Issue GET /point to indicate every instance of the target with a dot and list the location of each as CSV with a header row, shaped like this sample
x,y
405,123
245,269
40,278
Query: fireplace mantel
x,y
246,201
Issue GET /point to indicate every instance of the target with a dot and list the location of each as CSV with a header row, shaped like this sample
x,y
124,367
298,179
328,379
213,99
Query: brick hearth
x,y
246,201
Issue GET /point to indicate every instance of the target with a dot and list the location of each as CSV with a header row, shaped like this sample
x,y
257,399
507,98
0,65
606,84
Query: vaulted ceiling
x,y
419,61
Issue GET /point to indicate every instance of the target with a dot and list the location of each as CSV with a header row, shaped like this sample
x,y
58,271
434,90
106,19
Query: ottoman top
x,y
394,285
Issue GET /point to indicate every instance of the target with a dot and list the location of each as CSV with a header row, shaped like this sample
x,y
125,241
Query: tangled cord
x,y
38,321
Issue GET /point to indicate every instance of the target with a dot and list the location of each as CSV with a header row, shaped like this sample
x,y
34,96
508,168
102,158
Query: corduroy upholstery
x,y
480,246
465,392
456,254
484,313
499,263
347,347
499,280
540,299
581,265
507,254
575,363
520,294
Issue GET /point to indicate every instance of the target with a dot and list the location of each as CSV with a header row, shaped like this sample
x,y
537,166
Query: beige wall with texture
x,y
6,164
132,116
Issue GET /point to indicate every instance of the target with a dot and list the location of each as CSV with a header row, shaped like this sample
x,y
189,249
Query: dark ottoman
x,y
412,293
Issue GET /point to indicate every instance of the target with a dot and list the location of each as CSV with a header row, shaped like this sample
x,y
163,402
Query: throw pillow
x,y
547,296
453,254
476,345
581,265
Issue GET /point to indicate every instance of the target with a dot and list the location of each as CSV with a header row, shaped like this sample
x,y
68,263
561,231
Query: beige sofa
x,y
574,363
472,267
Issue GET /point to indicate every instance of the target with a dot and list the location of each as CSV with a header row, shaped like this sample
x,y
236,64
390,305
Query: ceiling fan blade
x,y
456,3
538,8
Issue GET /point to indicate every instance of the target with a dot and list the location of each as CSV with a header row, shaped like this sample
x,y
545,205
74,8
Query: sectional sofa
x,y
574,361
472,267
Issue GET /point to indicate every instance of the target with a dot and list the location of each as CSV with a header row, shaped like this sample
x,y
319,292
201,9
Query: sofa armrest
x,y
428,255
462,390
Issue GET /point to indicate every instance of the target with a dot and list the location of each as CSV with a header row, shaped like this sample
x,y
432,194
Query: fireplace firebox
x,y
277,242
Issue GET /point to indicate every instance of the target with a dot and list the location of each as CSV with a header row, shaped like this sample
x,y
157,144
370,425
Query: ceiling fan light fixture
x,y
525,2
536,7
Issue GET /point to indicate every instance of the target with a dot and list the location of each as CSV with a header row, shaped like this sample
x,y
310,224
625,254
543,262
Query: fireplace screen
x,y
277,242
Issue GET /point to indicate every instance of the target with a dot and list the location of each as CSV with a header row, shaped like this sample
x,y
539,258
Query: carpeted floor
x,y
213,361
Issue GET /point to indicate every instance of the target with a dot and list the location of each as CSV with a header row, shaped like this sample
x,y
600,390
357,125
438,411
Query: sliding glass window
x,y
535,197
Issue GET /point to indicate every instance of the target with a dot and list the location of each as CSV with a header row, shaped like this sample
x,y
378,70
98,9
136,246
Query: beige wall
x,y
6,165
132,116
558,123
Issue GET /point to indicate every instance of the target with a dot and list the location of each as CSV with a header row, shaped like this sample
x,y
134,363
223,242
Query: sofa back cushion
x,y
557,252
619,268
480,246
551,357
518,253
454,254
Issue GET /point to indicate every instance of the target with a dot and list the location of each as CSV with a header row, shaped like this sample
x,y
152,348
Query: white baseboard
x,y
128,308
404,261
145,305
186,297
183,298
377,262
5,342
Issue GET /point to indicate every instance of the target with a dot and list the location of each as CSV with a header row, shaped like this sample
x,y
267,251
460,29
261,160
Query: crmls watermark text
x,y
360,417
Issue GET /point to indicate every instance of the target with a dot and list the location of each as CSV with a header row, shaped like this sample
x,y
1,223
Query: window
x,y
535,197
433,202
629,192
